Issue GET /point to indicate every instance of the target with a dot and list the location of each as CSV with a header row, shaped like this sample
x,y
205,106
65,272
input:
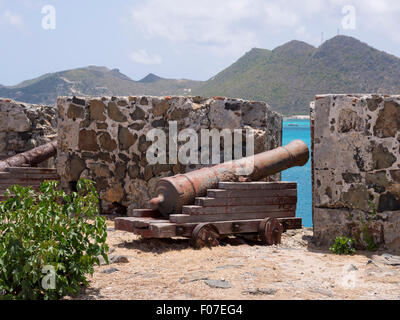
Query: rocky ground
x,y
171,269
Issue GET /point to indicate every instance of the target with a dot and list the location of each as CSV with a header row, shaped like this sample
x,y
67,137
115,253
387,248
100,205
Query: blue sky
x,y
177,38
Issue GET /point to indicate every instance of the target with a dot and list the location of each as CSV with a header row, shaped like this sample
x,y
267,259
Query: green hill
x,y
287,77
92,81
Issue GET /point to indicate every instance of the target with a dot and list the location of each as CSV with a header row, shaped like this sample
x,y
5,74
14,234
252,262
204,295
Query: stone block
x,y
356,158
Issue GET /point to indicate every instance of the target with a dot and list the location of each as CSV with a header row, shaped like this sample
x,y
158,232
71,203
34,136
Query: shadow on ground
x,y
159,246
88,293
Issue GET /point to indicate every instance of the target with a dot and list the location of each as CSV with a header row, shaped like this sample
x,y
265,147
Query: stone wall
x,y
25,126
356,168
104,139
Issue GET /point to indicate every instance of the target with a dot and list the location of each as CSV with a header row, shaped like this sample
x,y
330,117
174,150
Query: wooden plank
x,y
143,213
218,193
258,185
147,233
154,230
124,224
22,180
145,222
168,230
184,218
136,223
30,170
40,176
199,210
217,202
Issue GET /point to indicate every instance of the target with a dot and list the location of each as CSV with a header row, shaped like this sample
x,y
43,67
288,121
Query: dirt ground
x,y
238,269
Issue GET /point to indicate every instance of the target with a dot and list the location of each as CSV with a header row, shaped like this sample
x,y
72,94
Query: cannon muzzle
x,y
177,191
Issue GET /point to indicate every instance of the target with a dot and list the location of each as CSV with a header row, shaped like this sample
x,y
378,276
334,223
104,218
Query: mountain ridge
x,y
286,77
289,76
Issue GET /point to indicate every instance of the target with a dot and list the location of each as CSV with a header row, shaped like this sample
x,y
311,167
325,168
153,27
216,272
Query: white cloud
x,y
143,57
231,27
13,19
227,27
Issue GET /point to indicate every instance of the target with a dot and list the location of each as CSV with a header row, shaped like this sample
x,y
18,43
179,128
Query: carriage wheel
x,y
270,231
205,235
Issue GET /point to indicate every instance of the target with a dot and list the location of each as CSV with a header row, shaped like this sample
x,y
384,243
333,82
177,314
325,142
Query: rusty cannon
x,y
181,190
30,158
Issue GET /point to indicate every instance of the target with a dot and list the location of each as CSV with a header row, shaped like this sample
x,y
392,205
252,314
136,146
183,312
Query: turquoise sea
x,y
292,130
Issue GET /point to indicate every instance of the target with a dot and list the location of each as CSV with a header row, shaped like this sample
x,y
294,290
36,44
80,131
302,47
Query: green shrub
x,y
343,245
49,231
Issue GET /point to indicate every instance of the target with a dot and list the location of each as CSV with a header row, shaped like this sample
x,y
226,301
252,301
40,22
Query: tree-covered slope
x,y
91,81
289,76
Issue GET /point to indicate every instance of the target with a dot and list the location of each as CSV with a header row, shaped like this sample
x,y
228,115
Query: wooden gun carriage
x,y
212,202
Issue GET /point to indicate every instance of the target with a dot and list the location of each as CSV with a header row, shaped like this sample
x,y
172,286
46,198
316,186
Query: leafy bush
x,y
49,231
343,245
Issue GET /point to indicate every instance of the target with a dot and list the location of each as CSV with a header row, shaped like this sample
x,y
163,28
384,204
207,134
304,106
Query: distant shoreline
x,y
299,117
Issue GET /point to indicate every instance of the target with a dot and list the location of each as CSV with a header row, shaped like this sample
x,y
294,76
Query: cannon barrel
x,y
31,157
177,191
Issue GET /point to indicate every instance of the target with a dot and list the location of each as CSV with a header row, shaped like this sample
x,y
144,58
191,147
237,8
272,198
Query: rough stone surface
x,y
126,138
107,142
362,132
75,111
218,284
88,140
114,113
97,109
26,126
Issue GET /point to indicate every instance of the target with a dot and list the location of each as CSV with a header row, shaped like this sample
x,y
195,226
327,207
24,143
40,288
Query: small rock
x,y
147,275
229,266
219,284
109,271
387,259
267,292
198,279
118,259
322,291
352,267
182,280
